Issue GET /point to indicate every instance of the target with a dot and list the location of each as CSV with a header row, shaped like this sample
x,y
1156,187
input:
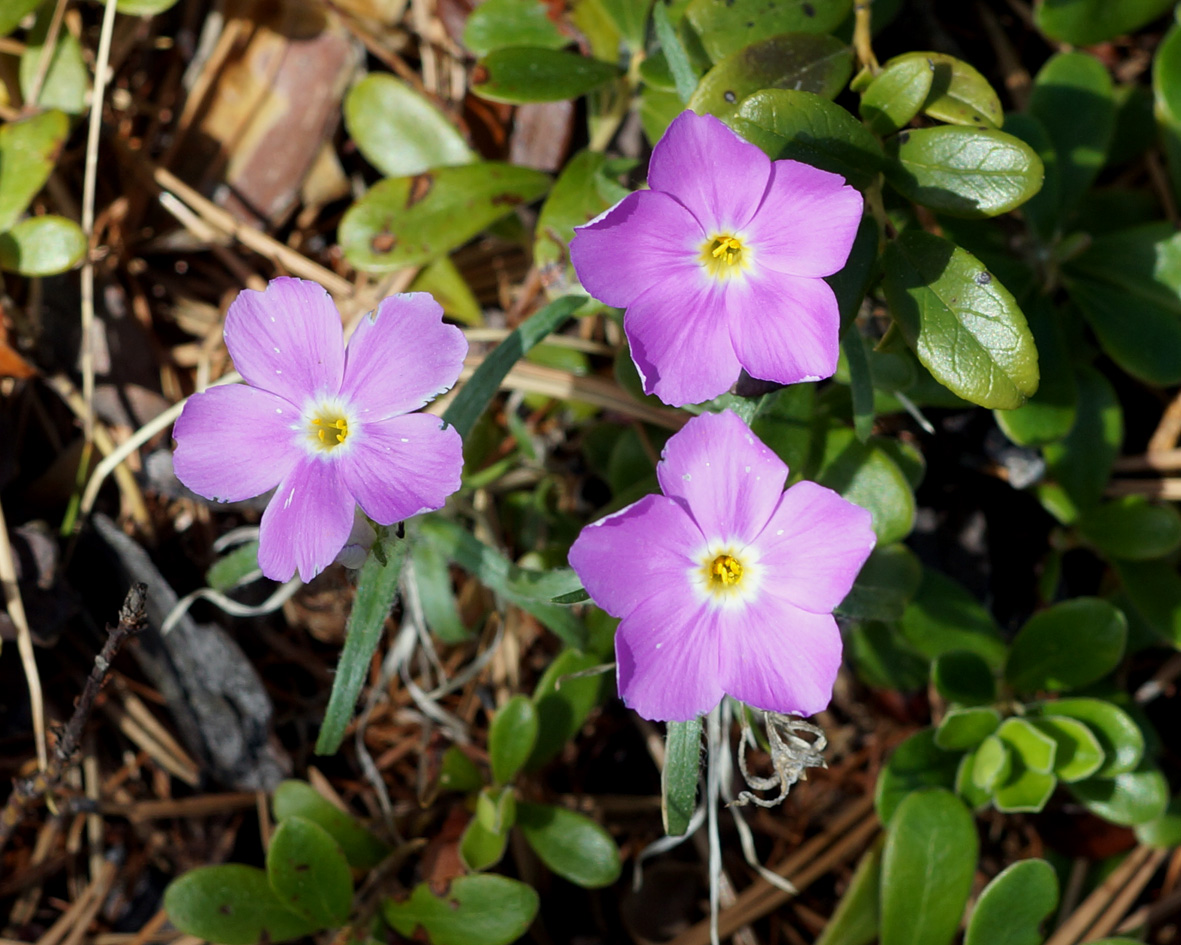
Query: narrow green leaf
x,y
678,780
927,867
475,395
1067,646
962,323
308,871
511,737
684,75
299,799
1013,906
476,910
376,588
897,94
432,576
496,24
570,844
860,384
232,569
522,74
231,904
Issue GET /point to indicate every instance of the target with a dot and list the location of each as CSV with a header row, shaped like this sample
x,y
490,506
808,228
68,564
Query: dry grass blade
x,y
24,640
1108,894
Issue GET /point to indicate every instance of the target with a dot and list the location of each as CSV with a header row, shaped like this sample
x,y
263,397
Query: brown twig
x,y
27,791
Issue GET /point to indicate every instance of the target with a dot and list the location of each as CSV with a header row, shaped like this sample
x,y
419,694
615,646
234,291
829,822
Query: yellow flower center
x,y
723,256
328,429
723,572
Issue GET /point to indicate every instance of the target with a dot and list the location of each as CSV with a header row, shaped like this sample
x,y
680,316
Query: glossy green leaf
x,y
1080,465
432,578
883,659
1166,92
521,74
563,703
1023,790
966,788
511,737
1128,285
1079,754
962,323
476,910
28,151
1072,97
42,246
399,131
860,383
1163,831
475,395
966,728
457,772
1043,211
1032,747
66,83
799,61
309,873
963,172
299,799
856,917
867,475
681,68
1067,646
678,780
964,677
1134,797
1154,588
406,221
1131,527
486,836
1087,22
885,585
897,94
376,589
570,844
991,763
231,904
806,127
496,24
1050,413
959,94
234,568
915,764
726,26
1014,905
944,617
927,866
1119,737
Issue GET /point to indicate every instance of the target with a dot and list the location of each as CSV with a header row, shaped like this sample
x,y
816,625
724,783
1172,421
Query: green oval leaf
x,y
496,24
897,94
884,586
917,763
144,7
28,151
966,728
962,323
563,703
868,476
299,799
1154,589
1013,906
726,26
406,221
67,80
521,74
1067,646
1119,737
1163,832
231,904
1079,754
570,844
481,848
963,172
42,246
964,677
927,867
1050,413
959,94
855,920
944,617
802,126
12,12
1133,528
309,873
1023,790
991,763
476,910
1128,799
679,777
1073,98
399,131
1032,747
1087,22
799,61
511,737
883,659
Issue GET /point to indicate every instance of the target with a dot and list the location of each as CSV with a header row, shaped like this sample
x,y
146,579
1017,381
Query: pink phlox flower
x,y
725,584
330,428
720,263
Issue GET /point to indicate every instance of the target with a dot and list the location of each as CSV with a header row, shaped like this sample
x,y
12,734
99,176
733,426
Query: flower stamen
x,y
724,255
328,429
725,571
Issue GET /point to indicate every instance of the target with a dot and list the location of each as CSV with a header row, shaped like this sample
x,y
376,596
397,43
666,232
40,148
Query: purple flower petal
x,y
306,523
402,466
641,241
668,656
807,221
680,341
287,339
813,547
623,558
234,442
712,171
430,357
785,328
723,475
779,658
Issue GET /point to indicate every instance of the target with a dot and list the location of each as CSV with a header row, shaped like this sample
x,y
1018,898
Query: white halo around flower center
x,y
727,573
328,427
